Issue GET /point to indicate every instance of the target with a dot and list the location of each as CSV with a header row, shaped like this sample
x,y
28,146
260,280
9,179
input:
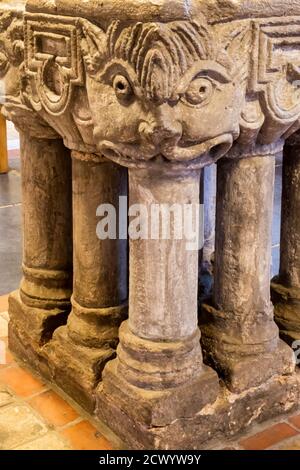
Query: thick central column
x,y
286,287
240,337
158,375
80,349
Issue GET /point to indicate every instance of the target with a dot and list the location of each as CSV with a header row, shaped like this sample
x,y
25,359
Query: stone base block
x,y
27,351
159,407
74,368
212,426
287,311
242,365
243,372
38,323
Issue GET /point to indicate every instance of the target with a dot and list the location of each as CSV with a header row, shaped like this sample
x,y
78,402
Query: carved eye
x,y
199,91
122,88
3,62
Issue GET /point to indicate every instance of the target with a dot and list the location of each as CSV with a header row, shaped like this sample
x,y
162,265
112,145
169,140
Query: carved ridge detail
x,y
52,58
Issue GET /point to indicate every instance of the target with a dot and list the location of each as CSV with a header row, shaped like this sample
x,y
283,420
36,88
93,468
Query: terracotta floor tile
x,y
268,437
20,381
295,420
3,303
8,359
84,436
53,408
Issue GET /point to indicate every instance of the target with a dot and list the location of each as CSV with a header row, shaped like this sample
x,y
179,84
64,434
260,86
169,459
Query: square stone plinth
x,y
220,421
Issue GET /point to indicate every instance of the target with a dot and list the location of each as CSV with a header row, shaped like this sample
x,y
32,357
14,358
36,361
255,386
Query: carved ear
x,y
93,46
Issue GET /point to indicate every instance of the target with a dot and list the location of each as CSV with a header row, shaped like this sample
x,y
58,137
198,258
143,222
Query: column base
x,y
37,337
287,311
145,419
36,322
242,366
125,410
75,368
156,407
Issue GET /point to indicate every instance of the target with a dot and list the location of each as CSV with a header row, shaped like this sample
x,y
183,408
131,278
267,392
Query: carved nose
x,y
161,133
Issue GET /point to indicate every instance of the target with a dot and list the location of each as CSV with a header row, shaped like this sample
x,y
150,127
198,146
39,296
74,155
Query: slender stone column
x,y
158,375
285,287
239,335
99,302
45,290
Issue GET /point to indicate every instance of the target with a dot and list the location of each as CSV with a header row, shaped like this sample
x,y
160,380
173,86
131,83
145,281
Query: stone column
x,y
239,335
99,302
285,287
43,302
158,375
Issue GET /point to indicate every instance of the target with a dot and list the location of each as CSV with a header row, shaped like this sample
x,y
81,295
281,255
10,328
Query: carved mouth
x,y
194,156
210,150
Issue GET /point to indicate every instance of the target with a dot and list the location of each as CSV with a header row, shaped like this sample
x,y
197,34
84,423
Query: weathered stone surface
x,y
156,408
239,336
80,350
218,422
46,195
159,359
285,287
39,323
75,368
165,97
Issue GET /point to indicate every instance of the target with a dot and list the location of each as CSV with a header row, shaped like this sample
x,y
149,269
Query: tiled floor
x,y
35,416
32,415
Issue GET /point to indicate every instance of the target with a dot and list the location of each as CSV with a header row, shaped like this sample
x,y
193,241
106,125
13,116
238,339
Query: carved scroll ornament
x,y
11,72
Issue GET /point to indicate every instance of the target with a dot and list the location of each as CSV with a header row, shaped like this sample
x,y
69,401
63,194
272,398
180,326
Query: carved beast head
x,y
163,90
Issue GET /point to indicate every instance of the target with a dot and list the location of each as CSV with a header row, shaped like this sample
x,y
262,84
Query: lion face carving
x,y
155,90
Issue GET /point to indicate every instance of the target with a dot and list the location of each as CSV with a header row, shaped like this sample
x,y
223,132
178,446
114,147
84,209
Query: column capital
x,y
88,157
12,72
179,88
255,150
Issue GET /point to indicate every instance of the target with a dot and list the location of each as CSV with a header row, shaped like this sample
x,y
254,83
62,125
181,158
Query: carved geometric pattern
x,y
276,65
52,59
